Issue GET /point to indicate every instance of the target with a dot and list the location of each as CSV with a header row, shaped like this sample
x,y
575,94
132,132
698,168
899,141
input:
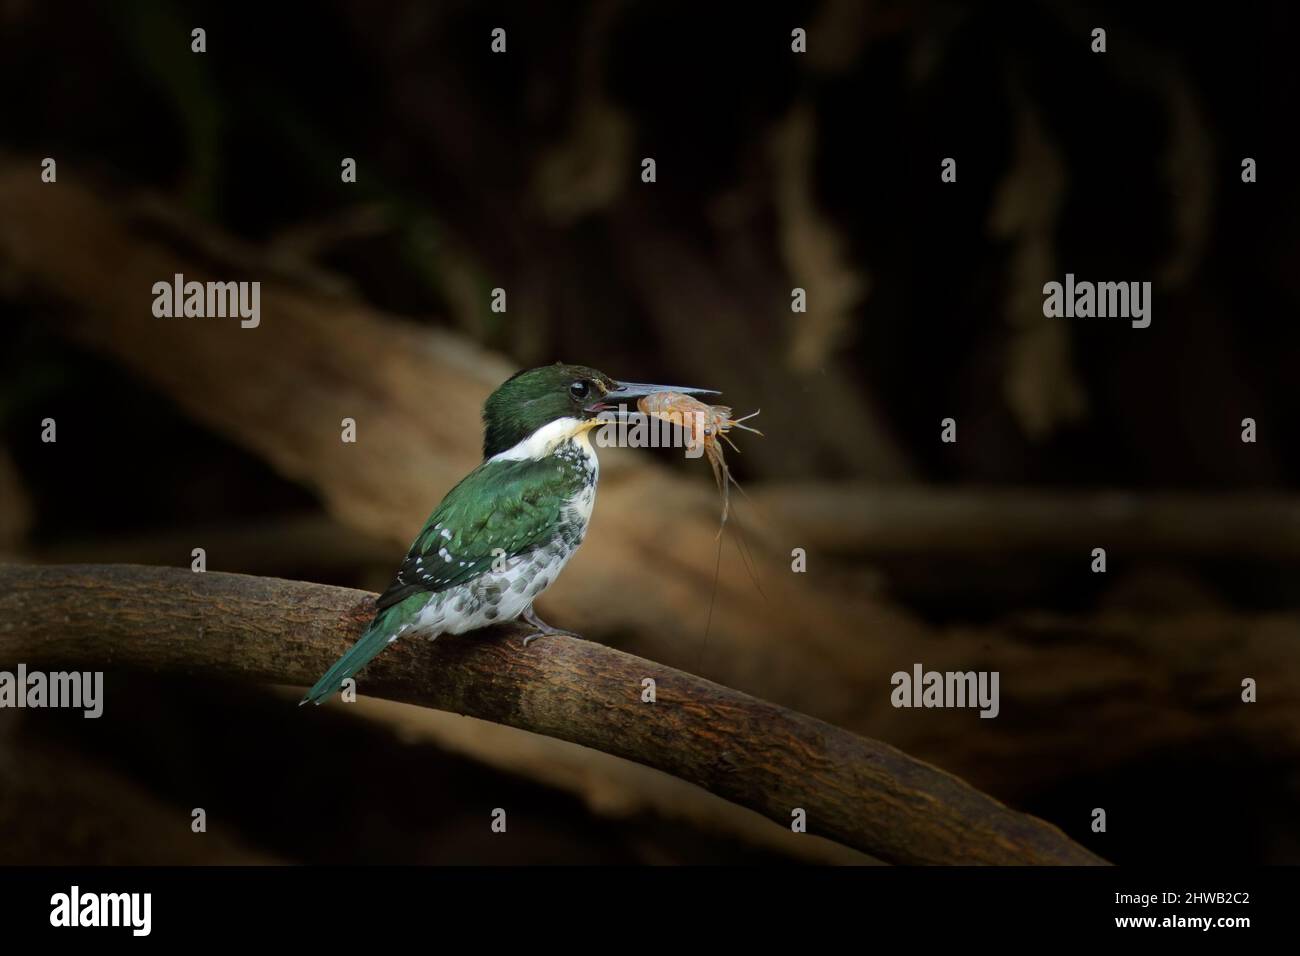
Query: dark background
x,y
775,170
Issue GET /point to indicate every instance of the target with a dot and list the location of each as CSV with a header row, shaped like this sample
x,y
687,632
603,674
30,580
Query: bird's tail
x,y
374,640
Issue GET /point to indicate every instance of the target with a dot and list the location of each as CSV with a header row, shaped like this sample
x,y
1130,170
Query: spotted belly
x,y
496,596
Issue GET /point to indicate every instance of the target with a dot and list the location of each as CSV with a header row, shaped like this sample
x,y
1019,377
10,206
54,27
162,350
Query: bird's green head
x,y
535,409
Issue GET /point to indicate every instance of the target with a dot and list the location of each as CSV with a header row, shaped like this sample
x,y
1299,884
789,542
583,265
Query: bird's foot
x,y
543,629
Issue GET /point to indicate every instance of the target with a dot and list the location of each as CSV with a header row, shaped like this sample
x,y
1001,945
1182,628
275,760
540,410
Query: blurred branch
x,y
620,791
857,791
870,519
1041,385
61,808
269,544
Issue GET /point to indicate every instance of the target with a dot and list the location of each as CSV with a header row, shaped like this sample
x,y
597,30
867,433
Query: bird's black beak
x,y
627,393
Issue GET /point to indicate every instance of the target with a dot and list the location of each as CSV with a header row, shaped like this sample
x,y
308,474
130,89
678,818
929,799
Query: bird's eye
x,y
579,390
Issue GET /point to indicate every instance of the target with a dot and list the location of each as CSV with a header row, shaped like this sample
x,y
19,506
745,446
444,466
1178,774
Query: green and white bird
x,y
503,534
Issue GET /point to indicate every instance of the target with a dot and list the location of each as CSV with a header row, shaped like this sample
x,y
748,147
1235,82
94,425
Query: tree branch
x,y
857,791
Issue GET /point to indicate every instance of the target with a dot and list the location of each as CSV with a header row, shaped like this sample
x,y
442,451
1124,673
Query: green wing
x,y
512,505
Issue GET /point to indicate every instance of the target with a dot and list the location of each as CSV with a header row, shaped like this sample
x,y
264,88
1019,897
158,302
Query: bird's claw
x,y
550,632
543,629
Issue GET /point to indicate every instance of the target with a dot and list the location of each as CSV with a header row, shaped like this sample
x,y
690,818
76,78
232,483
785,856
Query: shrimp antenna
x,y
739,487
742,545
746,558
713,596
737,422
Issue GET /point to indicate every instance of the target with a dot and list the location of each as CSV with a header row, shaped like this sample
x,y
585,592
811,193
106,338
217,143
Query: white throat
x,y
546,439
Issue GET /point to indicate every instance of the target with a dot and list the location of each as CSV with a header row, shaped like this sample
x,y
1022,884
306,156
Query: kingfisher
x,y
503,534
